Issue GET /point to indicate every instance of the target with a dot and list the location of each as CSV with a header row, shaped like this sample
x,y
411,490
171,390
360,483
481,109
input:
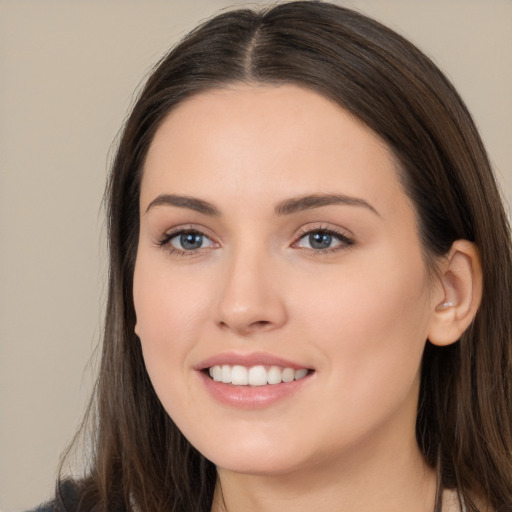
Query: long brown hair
x,y
140,460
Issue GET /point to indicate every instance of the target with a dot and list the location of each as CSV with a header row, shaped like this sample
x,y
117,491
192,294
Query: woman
x,y
309,301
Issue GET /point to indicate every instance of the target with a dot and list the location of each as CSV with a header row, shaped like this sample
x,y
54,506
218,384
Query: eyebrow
x,y
286,207
309,202
192,203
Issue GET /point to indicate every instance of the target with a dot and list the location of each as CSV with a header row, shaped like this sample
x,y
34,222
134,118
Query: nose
x,y
251,300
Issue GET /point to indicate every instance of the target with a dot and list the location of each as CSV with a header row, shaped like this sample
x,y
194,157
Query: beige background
x,y
67,73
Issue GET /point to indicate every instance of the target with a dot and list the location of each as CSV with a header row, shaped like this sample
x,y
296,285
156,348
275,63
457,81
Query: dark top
x,y
68,495
48,507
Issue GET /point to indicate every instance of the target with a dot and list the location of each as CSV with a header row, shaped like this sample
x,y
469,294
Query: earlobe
x,y
460,293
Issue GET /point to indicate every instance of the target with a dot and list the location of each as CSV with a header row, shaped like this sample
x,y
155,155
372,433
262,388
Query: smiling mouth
x,y
258,375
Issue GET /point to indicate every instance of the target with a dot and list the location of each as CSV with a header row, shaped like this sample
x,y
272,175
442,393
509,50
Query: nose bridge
x,y
250,299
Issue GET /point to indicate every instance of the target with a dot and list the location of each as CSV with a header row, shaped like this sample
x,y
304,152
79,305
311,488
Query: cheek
x,y
163,296
169,310
372,325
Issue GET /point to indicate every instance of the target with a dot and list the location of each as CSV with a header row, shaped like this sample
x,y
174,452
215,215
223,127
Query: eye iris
x,y
191,241
320,240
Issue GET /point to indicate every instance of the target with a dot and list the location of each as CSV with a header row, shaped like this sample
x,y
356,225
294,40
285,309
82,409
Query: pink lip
x,y
250,397
248,360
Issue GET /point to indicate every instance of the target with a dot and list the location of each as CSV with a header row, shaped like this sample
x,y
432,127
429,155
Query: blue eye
x,y
320,240
324,240
186,241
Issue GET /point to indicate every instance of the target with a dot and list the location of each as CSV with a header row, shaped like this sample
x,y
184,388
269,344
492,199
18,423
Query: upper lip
x,y
248,360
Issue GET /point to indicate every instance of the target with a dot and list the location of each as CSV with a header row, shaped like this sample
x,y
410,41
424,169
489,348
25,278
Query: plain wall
x,y
68,70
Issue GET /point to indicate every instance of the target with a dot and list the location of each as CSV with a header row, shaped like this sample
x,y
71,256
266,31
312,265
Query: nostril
x,y
260,323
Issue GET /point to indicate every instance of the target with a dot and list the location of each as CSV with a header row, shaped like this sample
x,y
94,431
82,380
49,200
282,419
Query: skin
x,y
358,314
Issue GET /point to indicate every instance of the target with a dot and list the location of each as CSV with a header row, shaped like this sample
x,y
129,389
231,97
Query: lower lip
x,y
252,397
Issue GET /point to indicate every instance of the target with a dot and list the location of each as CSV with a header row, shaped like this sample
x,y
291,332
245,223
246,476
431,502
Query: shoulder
x,y
45,507
67,498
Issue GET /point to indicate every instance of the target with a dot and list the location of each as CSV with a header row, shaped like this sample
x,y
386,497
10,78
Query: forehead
x,y
267,141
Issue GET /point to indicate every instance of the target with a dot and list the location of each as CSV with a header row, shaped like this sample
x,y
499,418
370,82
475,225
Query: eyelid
x,y
164,240
344,236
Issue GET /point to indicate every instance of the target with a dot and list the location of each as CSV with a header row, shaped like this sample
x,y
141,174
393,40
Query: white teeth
x,y
226,373
255,375
299,374
274,375
288,375
216,373
239,376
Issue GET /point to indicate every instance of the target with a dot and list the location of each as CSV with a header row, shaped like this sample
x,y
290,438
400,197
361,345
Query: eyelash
x,y
345,241
165,241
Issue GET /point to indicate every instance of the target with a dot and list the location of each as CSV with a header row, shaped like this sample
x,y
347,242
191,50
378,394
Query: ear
x,y
457,299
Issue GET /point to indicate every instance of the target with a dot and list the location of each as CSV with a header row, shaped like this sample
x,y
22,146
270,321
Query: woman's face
x,y
277,245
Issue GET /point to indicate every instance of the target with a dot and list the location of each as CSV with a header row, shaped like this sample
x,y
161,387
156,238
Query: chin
x,y
262,461
273,467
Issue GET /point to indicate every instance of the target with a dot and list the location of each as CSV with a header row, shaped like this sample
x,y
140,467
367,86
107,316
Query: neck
x,y
389,481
